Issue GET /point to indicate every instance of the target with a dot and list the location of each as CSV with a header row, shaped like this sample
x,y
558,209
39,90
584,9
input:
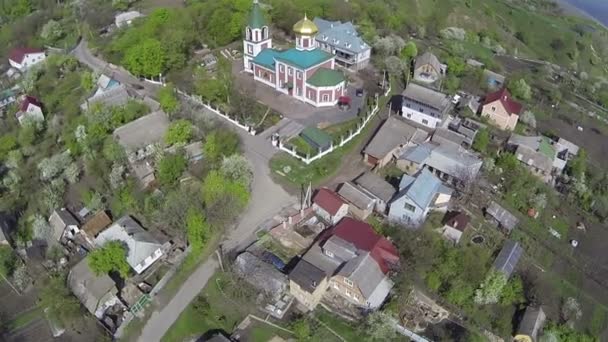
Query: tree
x,y
528,118
513,292
197,229
482,140
167,98
57,299
456,65
577,166
201,306
451,84
179,132
51,31
409,51
379,326
301,329
8,142
238,169
116,176
539,201
146,58
87,80
490,291
219,144
520,89
171,168
489,164
72,173
223,198
113,151
394,65
111,257
40,227
8,261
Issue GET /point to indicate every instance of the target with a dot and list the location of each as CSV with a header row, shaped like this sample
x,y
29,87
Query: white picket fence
x,y
198,100
276,140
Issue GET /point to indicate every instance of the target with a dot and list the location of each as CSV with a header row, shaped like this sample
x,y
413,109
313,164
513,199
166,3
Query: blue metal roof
x,y
345,35
266,58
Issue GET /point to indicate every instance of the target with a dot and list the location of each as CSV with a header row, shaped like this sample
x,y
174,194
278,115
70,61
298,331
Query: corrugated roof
x,y
394,132
345,35
320,139
307,276
423,189
266,58
147,130
356,196
457,220
503,95
376,185
328,200
365,272
304,59
96,224
18,54
509,256
324,77
428,58
88,287
427,96
504,217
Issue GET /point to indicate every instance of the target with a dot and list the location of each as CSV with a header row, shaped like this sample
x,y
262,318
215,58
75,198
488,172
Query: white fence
x,y
276,140
199,101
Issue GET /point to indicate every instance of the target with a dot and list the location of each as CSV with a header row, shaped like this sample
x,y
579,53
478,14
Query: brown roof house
x,y
30,109
95,225
501,109
329,206
428,69
394,135
23,58
351,260
454,224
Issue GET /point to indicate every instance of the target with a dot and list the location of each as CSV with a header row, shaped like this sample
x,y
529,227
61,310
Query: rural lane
x,y
267,199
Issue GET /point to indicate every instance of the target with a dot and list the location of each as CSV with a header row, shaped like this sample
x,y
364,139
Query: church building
x,y
305,72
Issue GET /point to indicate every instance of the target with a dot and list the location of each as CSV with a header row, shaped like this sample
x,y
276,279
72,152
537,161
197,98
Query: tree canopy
x,y
168,99
171,168
111,257
179,132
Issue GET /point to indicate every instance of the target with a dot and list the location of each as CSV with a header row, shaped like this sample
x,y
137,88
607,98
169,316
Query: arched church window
x,y
264,32
248,34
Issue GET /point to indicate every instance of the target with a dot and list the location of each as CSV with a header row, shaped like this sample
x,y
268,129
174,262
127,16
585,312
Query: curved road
x,y
267,198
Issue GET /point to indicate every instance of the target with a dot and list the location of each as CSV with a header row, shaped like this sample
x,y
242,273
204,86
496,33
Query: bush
x,y
179,132
171,168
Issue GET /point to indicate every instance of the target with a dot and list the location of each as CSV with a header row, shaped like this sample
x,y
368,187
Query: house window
x,y
409,115
325,98
425,121
409,207
348,293
299,75
310,94
329,253
348,282
421,110
281,68
407,105
493,108
290,71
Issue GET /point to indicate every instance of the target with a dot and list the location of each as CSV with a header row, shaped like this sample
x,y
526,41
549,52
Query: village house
x,y
530,325
425,106
501,109
501,217
428,69
105,83
394,135
443,136
24,58
30,109
97,293
493,80
536,153
114,95
361,204
454,225
306,72
468,128
95,225
377,188
508,258
417,196
353,260
329,206
452,164
139,139
62,223
343,41
142,248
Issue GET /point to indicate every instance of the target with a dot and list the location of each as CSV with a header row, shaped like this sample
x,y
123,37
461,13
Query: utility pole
x,y
10,284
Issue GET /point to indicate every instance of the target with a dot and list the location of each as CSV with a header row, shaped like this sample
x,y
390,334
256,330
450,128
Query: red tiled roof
x,y
27,100
363,236
457,220
328,200
502,95
17,54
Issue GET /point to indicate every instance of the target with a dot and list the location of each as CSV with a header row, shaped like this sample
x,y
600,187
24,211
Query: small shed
x,y
261,275
501,217
316,138
508,257
531,324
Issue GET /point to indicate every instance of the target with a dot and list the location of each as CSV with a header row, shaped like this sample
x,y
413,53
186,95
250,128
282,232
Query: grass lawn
x,y
260,332
343,328
342,129
24,319
221,315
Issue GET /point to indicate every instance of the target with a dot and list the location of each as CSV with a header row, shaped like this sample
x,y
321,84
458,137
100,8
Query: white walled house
x,y
425,106
29,109
142,248
23,58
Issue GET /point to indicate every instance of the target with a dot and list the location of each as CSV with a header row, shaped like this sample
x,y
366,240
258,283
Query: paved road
x,y
267,198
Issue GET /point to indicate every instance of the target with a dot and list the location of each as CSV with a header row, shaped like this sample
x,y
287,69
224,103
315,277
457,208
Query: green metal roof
x,y
326,78
304,59
256,17
546,148
266,58
316,137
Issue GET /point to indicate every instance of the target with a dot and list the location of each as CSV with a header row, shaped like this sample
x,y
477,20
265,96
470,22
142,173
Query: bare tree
x,y
466,182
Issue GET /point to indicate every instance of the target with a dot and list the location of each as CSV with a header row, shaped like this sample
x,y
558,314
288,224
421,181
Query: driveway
x,y
267,198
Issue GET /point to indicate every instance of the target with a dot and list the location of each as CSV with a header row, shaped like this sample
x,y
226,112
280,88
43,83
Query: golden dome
x,y
305,27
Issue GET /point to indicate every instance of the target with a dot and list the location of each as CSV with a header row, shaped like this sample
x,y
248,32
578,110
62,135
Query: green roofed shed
x,y
256,17
326,78
316,138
